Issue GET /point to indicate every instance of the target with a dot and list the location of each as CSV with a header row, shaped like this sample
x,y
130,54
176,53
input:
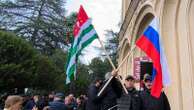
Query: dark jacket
x,y
151,103
130,101
110,95
93,102
30,104
57,105
71,106
81,107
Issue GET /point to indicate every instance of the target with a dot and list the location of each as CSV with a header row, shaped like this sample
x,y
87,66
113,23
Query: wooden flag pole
x,y
128,55
113,66
106,84
109,59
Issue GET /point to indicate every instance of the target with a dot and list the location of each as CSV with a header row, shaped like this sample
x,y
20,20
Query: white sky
x,y
105,15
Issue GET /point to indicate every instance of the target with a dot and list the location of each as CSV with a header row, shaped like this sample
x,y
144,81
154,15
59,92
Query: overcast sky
x,y
105,14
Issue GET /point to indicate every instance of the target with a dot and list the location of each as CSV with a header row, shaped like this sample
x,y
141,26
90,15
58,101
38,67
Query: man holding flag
x,y
153,98
84,34
148,101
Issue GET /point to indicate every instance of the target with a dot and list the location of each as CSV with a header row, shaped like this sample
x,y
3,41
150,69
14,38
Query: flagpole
x,y
113,66
109,59
128,55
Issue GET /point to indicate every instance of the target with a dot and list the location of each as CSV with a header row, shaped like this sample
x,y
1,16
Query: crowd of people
x,y
114,97
111,98
57,101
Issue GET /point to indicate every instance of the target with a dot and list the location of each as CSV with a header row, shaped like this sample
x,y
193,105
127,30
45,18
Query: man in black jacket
x,y
111,93
149,102
94,102
132,100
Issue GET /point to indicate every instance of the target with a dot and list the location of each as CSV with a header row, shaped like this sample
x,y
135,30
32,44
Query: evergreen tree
x,y
41,22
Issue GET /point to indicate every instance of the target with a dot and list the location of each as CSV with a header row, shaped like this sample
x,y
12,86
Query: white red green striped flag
x,y
84,34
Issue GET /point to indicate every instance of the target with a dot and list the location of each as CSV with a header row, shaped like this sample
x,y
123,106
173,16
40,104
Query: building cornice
x,y
128,16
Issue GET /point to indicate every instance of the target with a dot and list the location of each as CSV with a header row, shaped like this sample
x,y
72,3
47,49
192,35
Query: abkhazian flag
x,y
150,43
84,34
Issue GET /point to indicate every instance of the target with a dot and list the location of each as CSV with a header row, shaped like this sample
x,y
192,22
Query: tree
x,y
45,74
22,66
99,68
112,45
42,22
80,85
59,58
16,62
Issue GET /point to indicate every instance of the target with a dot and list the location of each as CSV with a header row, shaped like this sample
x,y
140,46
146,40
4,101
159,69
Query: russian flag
x,y
150,43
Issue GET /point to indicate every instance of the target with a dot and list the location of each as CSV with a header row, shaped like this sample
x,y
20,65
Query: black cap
x,y
129,77
147,77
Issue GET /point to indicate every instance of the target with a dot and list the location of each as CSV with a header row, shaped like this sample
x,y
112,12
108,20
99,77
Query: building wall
x,y
177,32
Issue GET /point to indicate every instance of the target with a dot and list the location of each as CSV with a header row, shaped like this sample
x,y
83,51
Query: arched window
x,y
143,24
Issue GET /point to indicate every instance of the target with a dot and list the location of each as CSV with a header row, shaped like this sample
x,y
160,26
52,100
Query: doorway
x,y
145,68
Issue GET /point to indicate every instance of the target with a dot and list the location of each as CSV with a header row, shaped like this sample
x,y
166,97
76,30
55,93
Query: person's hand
x,y
35,108
114,73
46,108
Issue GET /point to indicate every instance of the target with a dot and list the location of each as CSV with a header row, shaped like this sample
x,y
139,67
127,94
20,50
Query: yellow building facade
x,y
176,19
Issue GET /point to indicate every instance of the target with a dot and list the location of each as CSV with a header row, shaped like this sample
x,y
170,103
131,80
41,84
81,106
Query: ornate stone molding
x,y
128,16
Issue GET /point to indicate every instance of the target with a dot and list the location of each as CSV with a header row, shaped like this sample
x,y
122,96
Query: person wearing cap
x,y
58,102
148,101
132,100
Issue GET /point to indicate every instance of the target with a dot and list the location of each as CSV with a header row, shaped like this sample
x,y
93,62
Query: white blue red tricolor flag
x,y
150,43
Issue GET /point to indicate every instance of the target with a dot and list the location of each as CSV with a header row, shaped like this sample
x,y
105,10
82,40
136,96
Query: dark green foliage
x,y
59,59
39,62
112,45
42,22
22,66
45,74
99,68
80,85
16,59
